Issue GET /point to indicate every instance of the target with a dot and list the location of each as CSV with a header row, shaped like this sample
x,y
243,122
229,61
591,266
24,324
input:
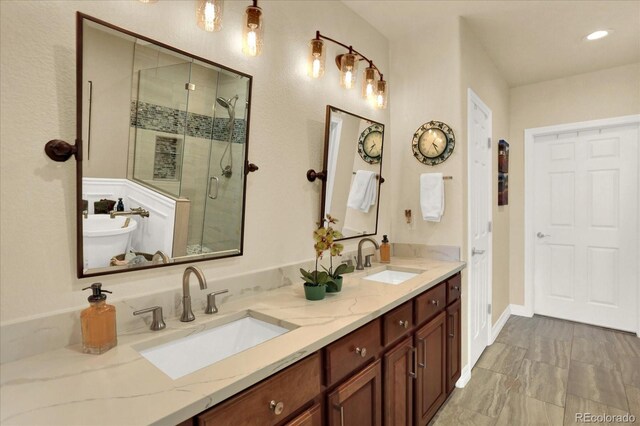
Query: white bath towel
x,y
432,196
363,191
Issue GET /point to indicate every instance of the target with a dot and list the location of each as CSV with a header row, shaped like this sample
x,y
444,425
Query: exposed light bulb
x,y
209,16
369,90
348,77
315,72
597,35
252,43
380,100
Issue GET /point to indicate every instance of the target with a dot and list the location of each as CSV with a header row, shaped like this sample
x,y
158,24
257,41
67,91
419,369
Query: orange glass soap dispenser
x,y
98,322
385,250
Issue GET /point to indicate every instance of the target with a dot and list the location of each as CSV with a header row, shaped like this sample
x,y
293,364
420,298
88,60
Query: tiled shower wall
x,y
170,120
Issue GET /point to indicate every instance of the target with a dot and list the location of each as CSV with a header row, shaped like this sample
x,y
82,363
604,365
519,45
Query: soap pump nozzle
x,y
97,295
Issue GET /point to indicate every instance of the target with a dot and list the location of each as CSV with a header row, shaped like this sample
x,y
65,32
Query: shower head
x,y
226,103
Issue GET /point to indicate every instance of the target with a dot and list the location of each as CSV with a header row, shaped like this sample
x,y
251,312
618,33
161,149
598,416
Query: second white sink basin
x,y
391,277
185,355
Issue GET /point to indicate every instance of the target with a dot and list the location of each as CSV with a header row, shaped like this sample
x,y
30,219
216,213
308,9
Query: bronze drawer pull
x,y
414,374
403,324
276,407
435,302
424,356
362,352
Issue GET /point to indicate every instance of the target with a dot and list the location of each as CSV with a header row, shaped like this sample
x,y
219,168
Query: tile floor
x,y
542,371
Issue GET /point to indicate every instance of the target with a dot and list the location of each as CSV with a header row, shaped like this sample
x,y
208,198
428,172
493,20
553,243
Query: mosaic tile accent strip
x,y
148,116
165,164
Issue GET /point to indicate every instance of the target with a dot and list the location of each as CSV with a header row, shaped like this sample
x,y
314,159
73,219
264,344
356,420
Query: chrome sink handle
x,y
211,301
158,320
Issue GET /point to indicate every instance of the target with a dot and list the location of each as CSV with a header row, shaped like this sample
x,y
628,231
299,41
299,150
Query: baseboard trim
x,y
465,376
520,310
497,327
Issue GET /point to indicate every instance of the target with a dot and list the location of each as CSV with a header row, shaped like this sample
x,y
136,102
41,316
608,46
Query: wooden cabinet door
x,y
310,417
431,342
454,342
400,366
358,401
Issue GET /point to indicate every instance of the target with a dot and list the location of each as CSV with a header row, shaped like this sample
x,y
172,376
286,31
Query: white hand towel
x,y
432,196
363,191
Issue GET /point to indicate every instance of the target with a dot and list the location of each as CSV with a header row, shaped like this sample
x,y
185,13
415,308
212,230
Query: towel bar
x,y
377,177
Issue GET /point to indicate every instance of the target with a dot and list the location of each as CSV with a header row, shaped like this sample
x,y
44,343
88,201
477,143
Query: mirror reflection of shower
x,y
230,106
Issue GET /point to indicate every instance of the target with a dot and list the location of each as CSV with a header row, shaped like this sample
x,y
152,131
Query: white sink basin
x,y
391,277
185,355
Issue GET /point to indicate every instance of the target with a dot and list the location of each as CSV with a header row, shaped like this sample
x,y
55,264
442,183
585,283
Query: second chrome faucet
x,y
187,313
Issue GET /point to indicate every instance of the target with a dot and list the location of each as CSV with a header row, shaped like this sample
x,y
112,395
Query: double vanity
x,y
378,348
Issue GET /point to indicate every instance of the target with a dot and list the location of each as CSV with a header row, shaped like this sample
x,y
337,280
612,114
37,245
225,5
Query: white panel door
x,y
585,221
480,197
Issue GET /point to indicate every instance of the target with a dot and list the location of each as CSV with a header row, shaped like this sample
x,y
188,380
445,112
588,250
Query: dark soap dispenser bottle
x,y
120,205
98,322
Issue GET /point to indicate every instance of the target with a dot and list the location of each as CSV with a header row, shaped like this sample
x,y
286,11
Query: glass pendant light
x,y
348,70
369,83
253,31
316,58
382,90
209,14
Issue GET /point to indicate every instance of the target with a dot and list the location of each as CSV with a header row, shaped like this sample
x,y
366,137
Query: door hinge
x,y
489,226
189,86
489,309
489,143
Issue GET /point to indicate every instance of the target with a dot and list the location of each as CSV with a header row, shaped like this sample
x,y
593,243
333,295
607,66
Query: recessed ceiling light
x,y
597,35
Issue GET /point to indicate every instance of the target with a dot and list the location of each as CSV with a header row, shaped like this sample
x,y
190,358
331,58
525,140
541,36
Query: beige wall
x,y
108,61
425,86
608,93
286,138
430,81
480,74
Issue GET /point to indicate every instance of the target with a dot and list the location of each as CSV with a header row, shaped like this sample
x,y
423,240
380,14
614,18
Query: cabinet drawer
x,y
352,351
430,303
397,323
454,286
310,417
289,390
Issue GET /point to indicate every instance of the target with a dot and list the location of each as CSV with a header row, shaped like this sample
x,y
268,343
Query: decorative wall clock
x,y
370,144
433,143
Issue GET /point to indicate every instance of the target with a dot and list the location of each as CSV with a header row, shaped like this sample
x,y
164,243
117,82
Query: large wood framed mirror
x,y
352,172
162,141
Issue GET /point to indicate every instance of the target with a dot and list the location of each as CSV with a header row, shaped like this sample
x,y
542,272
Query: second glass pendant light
x,y
209,14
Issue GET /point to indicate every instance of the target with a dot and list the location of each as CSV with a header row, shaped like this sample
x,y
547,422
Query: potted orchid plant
x,y
335,285
317,283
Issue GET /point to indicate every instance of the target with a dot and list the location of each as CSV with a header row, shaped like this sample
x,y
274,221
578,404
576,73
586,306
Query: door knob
x,y
541,235
474,251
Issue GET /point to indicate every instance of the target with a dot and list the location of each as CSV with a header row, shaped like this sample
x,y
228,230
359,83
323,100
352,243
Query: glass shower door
x,y
160,124
223,214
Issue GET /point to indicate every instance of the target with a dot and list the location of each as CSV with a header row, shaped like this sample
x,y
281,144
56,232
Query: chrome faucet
x,y
359,263
187,313
160,256
137,211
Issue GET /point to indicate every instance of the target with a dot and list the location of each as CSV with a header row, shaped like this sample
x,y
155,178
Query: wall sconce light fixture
x,y
374,87
253,30
209,14
316,58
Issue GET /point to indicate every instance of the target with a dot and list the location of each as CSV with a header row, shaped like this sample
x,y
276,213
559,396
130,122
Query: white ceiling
x,y
529,41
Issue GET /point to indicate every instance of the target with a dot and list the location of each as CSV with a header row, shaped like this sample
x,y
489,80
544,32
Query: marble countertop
x,y
120,386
